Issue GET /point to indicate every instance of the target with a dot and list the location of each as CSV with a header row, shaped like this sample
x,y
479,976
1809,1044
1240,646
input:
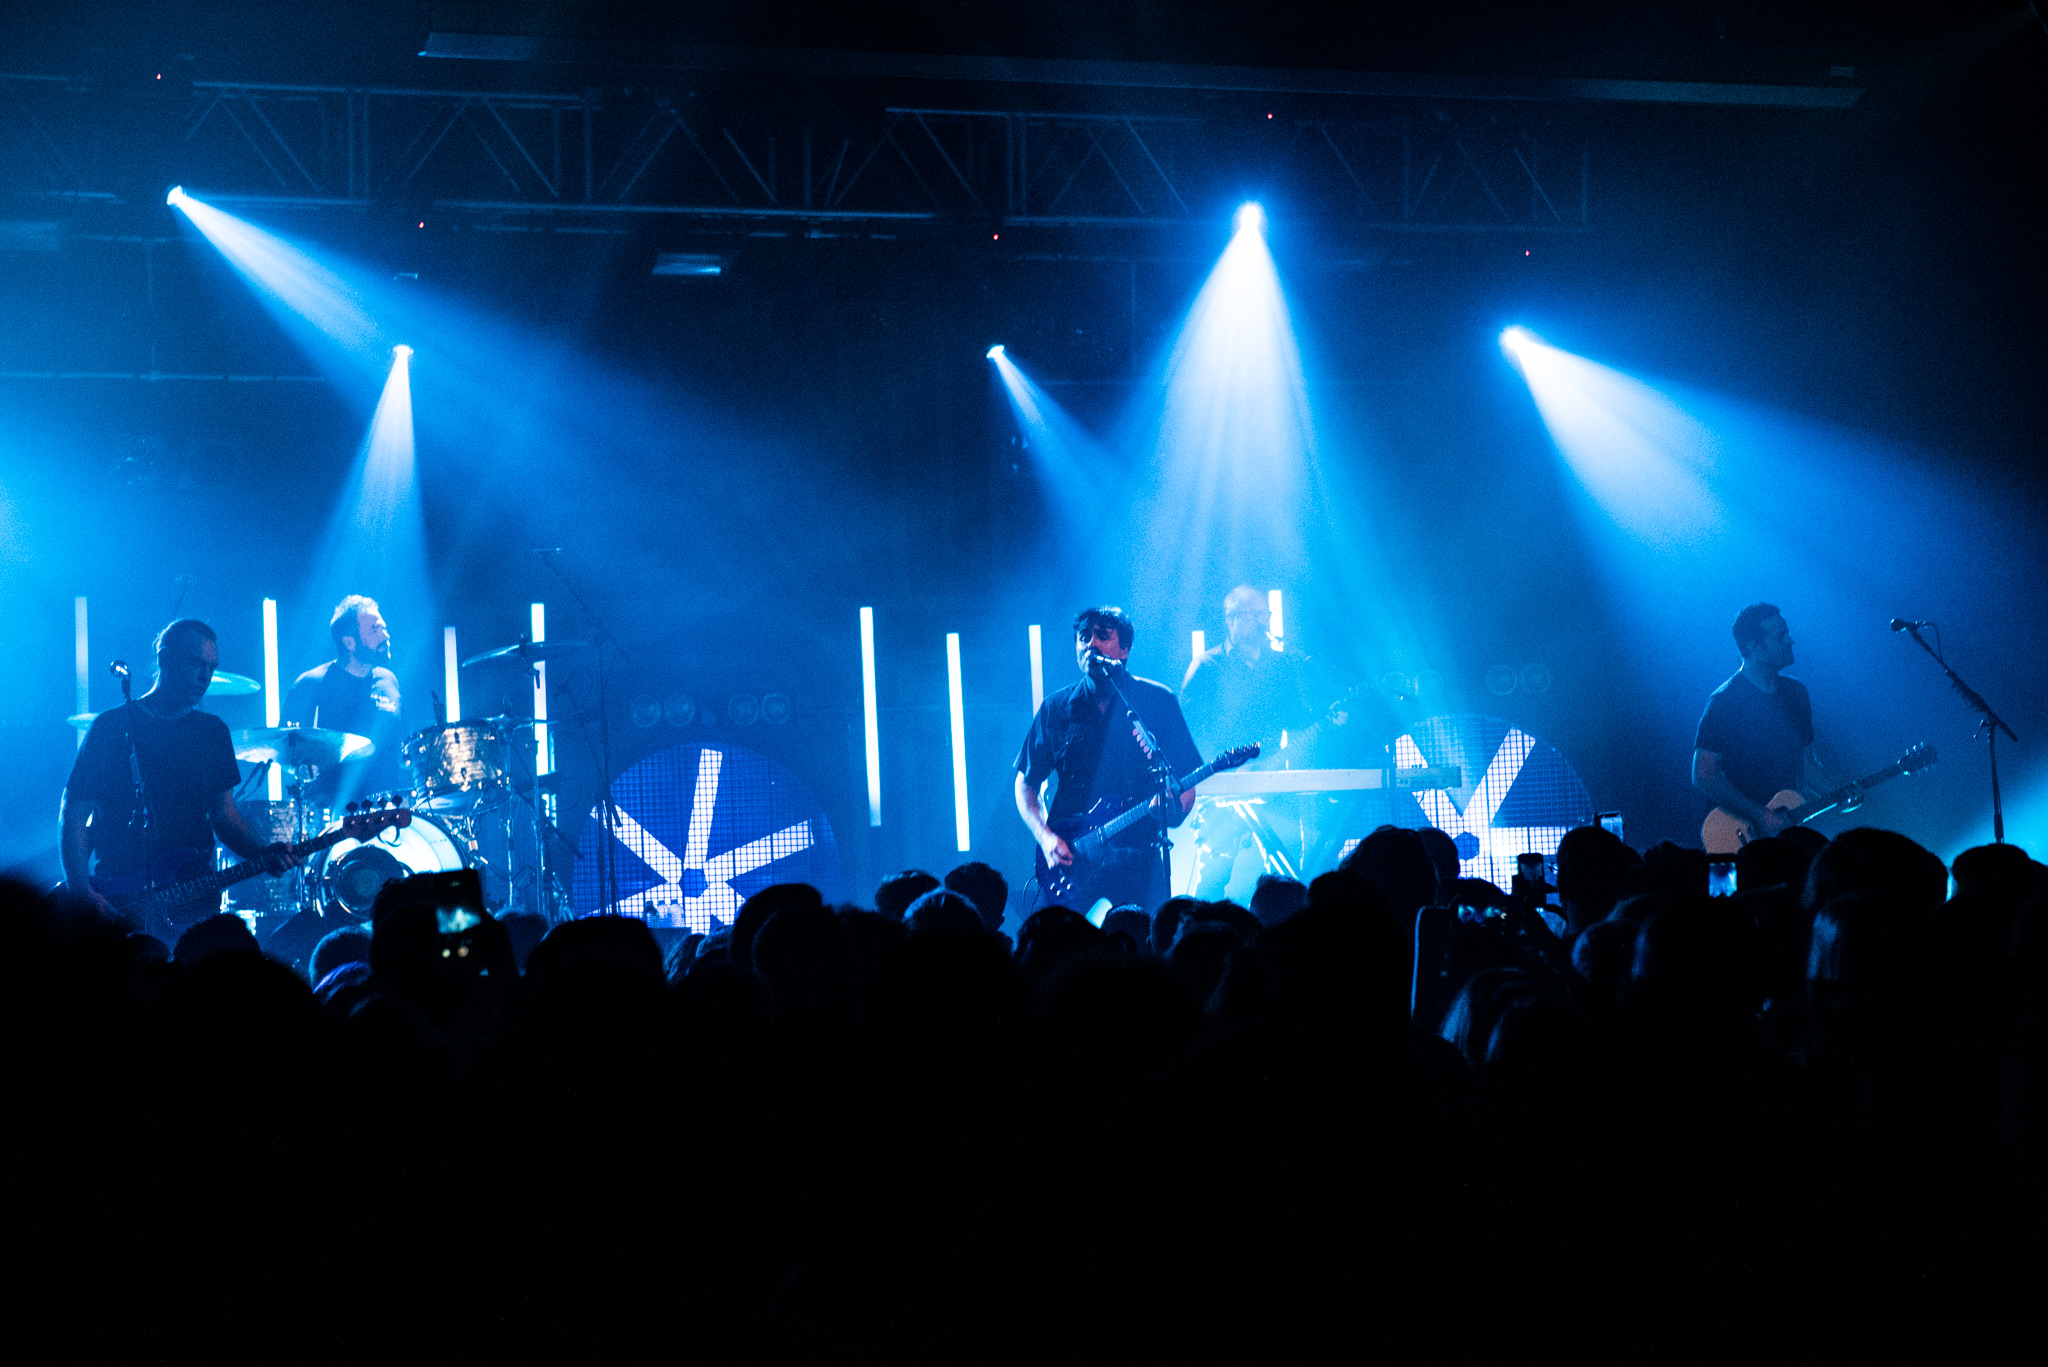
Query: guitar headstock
x,y
372,820
1232,758
1919,757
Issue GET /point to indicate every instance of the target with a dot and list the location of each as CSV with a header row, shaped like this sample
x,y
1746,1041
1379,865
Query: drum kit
x,y
475,804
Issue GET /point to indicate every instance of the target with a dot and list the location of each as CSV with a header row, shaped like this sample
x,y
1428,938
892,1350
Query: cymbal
x,y
296,745
82,720
529,650
227,685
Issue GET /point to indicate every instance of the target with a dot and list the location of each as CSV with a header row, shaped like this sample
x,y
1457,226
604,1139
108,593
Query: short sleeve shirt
x,y
1092,754
186,761
1761,737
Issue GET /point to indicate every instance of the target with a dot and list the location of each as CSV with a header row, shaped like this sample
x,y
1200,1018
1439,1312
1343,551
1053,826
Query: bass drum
x,y
351,872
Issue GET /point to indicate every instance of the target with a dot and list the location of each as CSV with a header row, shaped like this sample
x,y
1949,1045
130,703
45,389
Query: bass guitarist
x,y
1756,736
1095,758
153,787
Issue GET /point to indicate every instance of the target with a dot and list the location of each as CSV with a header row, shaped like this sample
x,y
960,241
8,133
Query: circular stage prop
x,y
700,829
1517,795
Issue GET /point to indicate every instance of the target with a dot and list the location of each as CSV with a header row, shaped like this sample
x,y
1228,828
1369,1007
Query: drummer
x,y
354,692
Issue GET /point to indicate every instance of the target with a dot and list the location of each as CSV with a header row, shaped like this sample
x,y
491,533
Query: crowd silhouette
x,y
1395,1114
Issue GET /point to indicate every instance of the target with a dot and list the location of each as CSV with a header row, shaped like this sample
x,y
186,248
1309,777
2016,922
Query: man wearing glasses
x,y
1089,740
1245,690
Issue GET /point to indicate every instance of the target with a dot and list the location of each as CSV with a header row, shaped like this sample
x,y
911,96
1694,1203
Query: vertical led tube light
x,y
451,675
273,699
868,715
959,718
1037,671
1279,628
1201,643
540,694
82,650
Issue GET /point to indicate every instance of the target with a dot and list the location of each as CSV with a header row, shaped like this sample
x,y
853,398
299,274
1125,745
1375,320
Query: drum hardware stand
x,y
1989,722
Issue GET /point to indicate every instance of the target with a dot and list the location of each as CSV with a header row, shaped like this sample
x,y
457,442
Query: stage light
x,y
743,709
869,715
687,263
958,714
1201,643
679,709
1250,218
176,196
1279,624
451,675
1513,339
1037,671
540,694
273,699
777,708
645,710
402,352
83,654
995,351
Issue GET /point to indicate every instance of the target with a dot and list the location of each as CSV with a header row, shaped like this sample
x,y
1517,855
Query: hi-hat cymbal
x,y
82,720
292,746
226,685
529,651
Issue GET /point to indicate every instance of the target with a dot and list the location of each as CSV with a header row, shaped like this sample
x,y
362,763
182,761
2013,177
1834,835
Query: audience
x,y
1390,1112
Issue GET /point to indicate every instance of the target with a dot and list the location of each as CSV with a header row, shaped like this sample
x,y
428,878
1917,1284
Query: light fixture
x,y
689,263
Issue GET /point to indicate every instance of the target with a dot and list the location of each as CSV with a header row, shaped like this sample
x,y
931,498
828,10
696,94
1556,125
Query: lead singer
x,y
1090,739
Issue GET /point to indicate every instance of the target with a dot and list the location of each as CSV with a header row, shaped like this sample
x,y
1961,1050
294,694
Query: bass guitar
x,y
174,907
1724,833
1088,835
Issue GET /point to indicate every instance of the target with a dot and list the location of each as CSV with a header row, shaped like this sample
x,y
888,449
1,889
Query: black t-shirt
x,y
329,697
1093,755
1230,703
1761,737
186,762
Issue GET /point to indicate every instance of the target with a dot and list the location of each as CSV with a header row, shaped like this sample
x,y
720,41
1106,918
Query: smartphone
x,y
1611,823
1721,878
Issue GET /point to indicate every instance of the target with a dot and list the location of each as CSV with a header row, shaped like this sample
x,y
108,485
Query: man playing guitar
x,y
1756,736
1084,743
153,786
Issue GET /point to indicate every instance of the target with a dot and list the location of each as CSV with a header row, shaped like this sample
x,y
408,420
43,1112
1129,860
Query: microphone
x,y
1901,624
119,669
1098,663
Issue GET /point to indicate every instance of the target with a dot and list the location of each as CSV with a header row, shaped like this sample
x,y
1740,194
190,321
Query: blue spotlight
x,y
1250,218
1513,339
177,193
402,352
995,352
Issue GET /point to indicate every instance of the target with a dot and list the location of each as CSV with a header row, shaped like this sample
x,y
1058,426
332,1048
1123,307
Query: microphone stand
x,y
1989,723
607,807
1162,771
140,818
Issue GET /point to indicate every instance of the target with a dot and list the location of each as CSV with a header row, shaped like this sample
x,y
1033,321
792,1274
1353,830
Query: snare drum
x,y
453,765
351,872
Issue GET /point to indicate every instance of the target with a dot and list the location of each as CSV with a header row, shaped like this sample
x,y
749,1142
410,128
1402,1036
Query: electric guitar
x,y
176,906
1088,835
1724,833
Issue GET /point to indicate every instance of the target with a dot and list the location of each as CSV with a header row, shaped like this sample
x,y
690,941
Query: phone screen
x,y
1721,878
1611,823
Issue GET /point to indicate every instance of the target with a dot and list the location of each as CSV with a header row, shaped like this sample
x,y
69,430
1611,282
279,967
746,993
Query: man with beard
x,y
354,692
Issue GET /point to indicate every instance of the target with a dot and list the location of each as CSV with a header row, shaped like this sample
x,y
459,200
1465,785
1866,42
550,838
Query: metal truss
x,y
644,152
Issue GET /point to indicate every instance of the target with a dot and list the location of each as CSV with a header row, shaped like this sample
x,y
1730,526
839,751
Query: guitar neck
x,y
214,884
1144,809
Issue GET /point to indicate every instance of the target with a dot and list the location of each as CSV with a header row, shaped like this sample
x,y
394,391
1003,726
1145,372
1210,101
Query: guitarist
x,y
153,786
1757,733
1082,742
